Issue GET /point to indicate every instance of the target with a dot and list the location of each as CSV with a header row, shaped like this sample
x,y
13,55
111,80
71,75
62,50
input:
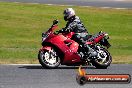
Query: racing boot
x,y
91,52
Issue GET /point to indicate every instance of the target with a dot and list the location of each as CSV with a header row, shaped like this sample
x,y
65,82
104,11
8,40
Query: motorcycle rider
x,y
75,25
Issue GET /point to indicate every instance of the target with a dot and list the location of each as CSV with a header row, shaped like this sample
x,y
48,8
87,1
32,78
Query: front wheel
x,y
104,59
49,59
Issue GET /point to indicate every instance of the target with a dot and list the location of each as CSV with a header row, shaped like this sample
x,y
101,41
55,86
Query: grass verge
x,y
21,25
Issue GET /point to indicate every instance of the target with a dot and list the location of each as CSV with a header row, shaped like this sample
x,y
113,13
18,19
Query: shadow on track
x,y
61,67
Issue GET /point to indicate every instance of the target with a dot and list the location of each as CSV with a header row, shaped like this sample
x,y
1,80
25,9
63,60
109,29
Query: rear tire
x,y
102,64
49,59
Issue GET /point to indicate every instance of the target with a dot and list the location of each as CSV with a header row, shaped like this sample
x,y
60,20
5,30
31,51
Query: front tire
x,y
49,59
104,59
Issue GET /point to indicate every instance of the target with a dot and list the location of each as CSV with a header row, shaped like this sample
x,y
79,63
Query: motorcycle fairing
x,y
70,52
46,48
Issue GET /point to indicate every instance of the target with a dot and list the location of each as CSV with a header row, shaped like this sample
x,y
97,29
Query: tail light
x,y
105,42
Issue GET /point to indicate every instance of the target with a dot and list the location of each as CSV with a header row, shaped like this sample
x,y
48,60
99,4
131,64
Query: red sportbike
x,y
58,48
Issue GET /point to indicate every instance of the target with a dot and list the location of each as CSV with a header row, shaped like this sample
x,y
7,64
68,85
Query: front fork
x,y
49,49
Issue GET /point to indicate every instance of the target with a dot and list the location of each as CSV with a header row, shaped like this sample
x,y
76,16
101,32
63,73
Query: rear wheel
x,y
104,59
49,59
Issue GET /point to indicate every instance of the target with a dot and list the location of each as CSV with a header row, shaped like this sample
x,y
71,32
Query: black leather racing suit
x,y
75,25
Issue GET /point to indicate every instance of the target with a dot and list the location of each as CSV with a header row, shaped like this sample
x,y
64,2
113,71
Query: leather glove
x,y
62,30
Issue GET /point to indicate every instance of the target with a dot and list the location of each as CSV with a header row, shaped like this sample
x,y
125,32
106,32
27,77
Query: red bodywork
x,y
61,41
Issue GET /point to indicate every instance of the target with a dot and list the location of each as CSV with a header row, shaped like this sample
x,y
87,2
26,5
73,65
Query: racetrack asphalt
x,y
34,76
96,3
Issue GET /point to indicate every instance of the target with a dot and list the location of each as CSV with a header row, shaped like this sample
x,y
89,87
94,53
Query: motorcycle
x,y
58,48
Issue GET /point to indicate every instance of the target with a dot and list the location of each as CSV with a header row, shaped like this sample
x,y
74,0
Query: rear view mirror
x,y
55,22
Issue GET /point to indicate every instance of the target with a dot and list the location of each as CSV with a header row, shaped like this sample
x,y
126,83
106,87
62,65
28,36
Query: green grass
x,y
21,26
